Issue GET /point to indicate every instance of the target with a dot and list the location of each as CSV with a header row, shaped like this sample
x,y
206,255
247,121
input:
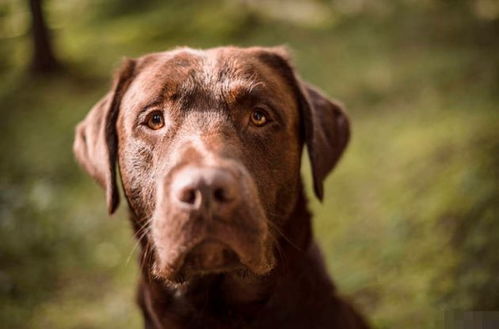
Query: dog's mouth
x,y
209,257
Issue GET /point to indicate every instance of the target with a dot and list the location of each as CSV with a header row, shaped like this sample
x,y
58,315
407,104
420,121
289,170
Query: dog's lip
x,y
181,269
208,257
210,253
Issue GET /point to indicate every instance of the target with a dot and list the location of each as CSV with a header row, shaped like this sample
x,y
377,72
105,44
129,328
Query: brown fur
x,y
279,280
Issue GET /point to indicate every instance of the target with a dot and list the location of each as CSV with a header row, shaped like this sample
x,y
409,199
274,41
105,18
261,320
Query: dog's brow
x,y
239,90
155,102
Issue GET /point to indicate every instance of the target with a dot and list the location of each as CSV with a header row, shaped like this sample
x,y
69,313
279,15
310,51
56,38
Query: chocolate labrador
x,y
209,144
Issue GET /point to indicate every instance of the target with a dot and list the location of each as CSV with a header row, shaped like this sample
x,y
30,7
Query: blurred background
x,y
410,221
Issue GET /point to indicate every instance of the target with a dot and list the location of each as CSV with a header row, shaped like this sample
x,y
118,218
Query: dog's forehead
x,y
220,74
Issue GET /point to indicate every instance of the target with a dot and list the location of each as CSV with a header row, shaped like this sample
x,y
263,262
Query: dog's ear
x,y
95,145
327,132
325,126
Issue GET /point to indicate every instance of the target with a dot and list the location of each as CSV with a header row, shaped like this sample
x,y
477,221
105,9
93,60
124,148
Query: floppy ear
x,y
95,145
326,127
327,132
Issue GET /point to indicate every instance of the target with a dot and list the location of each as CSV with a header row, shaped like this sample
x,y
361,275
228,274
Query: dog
x,y
208,145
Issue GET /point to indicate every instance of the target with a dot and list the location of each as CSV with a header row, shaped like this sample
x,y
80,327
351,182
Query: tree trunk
x,y
44,59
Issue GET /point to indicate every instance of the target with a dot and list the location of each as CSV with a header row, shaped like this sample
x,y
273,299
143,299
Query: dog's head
x,y
208,145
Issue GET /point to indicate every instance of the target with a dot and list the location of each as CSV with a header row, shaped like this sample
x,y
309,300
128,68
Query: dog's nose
x,y
205,188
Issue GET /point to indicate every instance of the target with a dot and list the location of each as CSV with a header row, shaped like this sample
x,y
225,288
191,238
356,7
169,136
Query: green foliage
x,y
409,226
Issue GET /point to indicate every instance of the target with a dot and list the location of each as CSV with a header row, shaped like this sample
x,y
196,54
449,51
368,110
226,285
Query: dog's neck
x,y
236,295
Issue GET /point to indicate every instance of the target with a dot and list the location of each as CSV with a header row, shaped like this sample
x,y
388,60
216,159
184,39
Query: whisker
x,y
274,226
140,234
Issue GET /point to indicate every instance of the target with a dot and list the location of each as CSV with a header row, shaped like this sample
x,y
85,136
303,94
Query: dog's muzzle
x,y
209,221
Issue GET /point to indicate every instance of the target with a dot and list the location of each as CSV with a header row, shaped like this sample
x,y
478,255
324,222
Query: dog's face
x,y
209,145
209,151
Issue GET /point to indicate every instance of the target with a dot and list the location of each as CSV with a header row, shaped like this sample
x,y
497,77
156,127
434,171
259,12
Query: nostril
x,y
224,194
188,195
220,195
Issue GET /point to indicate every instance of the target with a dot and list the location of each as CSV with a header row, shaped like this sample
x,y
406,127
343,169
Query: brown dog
x,y
209,145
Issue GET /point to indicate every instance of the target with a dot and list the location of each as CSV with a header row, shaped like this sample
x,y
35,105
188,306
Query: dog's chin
x,y
189,272
210,258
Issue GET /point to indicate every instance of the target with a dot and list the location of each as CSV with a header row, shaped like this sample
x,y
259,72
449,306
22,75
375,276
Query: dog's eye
x,y
258,118
155,120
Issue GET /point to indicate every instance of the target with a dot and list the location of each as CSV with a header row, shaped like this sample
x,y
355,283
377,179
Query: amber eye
x,y
155,120
258,118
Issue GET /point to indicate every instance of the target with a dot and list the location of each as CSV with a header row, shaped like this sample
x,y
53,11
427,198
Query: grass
x,y
409,223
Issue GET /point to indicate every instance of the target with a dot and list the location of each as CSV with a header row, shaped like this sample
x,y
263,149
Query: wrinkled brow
x,y
237,91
